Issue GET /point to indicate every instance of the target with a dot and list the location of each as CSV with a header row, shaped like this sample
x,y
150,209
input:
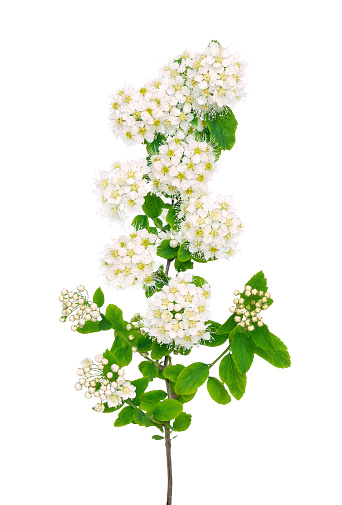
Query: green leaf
x,y
191,378
118,343
198,281
172,218
144,343
140,222
262,338
183,266
105,324
242,351
160,350
231,376
278,357
167,410
148,369
258,281
123,356
125,417
147,400
153,147
157,437
98,297
171,372
114,315
165,251
183,253
216,339
228,326
153,205
140,386
186,398
222,127
89,327
217,391
141,418
182,422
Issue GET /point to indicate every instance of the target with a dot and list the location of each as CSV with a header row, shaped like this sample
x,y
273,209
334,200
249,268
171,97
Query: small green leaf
x,y
231,376
160,350
222,127
171,372
167,410
172,219
105,324
153,205
262,338
114,315
140,222
140,386
217,391
216,339
258,281
228,326
148,369
157,437
198,281
186,398
278,357
144,343
125,417
242,352
90,327
183,266
98,297
182,422
191,378
123,356
165,251
153,147
183,253
141,418
147,400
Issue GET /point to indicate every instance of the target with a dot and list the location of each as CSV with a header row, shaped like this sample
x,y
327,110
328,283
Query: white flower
x,y
178,313
114,400
128,261
127,390
86,363
99,407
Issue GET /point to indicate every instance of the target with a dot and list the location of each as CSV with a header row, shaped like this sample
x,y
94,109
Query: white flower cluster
x,y
248,307
178,313
211,229
129,260
111,388
192,84
182,167
122,189
77,308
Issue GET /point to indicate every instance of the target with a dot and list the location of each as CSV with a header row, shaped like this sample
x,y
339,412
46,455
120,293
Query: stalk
x,y
168,443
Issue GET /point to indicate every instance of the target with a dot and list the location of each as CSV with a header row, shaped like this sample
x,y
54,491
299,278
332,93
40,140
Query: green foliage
x,y
98,297
190,378
230,375
167,410
183,266
153,147
112,360
228,326
105,324
148,369
144,343
258,281
182,422
157,437
199,281
160,350
107,410
153,205
160,279
165,251
217,391
149,399
186,398
242,351
125,417
89,327
171,372
114,315
172,218
278,356
140,222
141,418
216,339
262,338
140,385
123,356
222,127
183,253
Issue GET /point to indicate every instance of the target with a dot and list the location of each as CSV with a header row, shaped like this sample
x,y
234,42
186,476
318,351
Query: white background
x,y
60,62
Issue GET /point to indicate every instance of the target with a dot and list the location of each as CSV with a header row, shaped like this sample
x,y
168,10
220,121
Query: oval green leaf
x,y
191,378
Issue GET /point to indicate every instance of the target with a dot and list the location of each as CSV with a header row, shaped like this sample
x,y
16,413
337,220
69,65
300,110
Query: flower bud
x,y
173,243
80,287
115,368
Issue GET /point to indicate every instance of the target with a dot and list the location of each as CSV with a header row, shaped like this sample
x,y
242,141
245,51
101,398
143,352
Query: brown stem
x,y
168,263
168,443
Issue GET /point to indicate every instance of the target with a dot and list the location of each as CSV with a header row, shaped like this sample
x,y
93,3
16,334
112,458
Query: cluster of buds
x,y
137,325
77,308
249,306
109,387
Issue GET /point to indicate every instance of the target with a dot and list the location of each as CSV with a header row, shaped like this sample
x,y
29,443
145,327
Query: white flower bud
x,y
68,311
97,394
173,243
232,309
71,318
87,310
254,319
76,316
95,314
254,292
80,287
81,322
236,300
82,380
79,312
137,316
242,324
64,291
103,388
61,298
260,323
248,288
114,385
98,358
145,354
108,392
78,386
70,294
104,361
74,328
115,368
261,293
91,390
93,306
93,319
134,349
87,317
178,317
103,397
247,293
131,337
88,395
88,375
121,372
268,295
100,367
237,319
236,292
87,384
109,375
105,382
93,383
250,328
129,327
265,307
62,319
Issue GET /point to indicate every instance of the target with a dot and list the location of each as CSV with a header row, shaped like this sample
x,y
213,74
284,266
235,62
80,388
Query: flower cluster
x,y
110,387
122,190
210,229
178,313
129,259
182,167
77,308
249,306
189,86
